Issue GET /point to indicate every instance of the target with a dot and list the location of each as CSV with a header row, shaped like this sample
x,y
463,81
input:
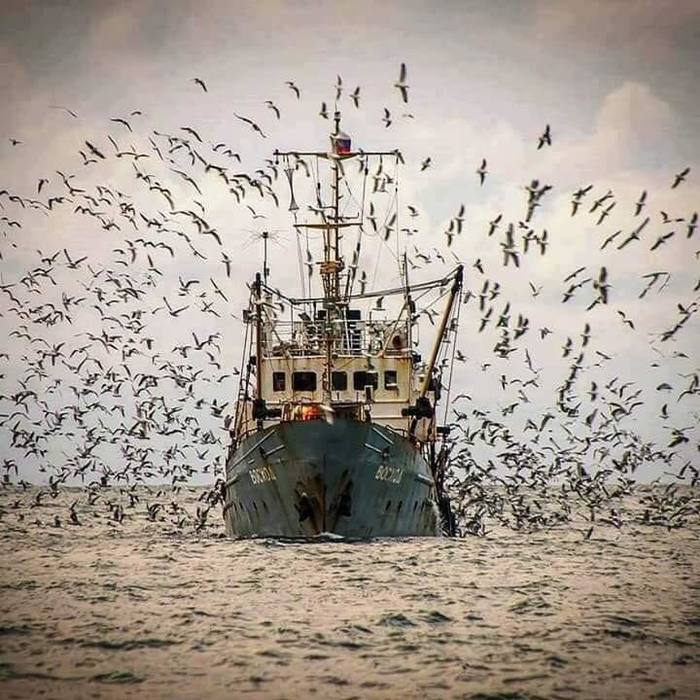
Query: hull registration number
x,y
392,474
262,475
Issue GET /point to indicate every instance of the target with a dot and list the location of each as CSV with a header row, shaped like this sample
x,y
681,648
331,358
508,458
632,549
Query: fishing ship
x,y
335,428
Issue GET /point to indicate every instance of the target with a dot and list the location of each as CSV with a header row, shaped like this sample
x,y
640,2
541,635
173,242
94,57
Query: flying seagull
x,y
401,84
293,88
481,172
201,84
680,177
65,109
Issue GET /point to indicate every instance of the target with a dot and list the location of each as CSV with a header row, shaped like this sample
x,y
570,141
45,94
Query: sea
x,y
160,603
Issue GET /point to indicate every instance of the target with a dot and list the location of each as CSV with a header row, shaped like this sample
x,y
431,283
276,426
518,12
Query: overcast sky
x,y
616,81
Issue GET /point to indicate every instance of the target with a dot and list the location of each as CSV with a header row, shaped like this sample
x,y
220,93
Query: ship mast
x,y
332,265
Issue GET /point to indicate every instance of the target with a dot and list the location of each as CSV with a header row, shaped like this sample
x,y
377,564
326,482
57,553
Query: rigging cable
x,y
455,319
350,281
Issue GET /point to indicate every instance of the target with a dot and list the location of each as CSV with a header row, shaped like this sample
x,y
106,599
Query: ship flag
x,y
341,143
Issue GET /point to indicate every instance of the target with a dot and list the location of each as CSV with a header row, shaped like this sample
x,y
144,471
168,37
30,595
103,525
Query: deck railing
x,y
349,337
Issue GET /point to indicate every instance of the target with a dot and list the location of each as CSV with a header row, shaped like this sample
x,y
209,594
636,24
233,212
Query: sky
x,y
616,82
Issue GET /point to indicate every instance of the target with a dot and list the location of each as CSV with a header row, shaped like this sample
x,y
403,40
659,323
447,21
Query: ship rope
x,y
300,261
454,323
316,177
300,258
383,242
396,221
361,206
244,380
419,286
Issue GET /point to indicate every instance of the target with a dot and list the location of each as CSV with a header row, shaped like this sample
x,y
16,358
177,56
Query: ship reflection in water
x,y
147,610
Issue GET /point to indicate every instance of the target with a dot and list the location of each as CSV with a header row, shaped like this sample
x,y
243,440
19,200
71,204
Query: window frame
x,y
337,373
275,386
395,383
297,374
374,384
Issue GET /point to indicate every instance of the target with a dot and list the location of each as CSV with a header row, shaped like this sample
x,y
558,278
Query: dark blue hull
x,y
351,478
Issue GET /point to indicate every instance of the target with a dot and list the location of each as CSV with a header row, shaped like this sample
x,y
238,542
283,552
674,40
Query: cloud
x,y
13,77
632,117
649,30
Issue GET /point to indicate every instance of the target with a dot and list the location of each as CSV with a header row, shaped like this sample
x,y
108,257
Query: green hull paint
x,y
351,478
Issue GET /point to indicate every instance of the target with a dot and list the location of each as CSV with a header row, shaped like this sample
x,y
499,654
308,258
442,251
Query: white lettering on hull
x,y
390,474
262,475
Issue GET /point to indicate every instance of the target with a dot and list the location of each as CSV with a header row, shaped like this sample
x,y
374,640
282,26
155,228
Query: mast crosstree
x,y
333,264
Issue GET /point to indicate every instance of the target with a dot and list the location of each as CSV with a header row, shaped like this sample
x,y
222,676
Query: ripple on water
x,y
117,677
395,620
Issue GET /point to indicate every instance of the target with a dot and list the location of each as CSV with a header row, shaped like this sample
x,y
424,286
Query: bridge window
x,y
279,381
339,381
362,379
391,379
304,381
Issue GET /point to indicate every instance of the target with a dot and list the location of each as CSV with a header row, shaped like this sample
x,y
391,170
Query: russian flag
x,y
341,143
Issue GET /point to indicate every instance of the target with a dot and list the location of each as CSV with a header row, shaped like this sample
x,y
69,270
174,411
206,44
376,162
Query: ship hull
x,y
351,478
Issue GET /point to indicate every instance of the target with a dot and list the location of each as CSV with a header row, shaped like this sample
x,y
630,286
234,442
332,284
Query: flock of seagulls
x,y
100,389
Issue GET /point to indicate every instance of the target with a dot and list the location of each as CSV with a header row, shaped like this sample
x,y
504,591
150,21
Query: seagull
x,y
577,197
640,204
481,172
119,120
65,109
493,225
324,111
625,320
227,262
401,84
338,87
425,164
601,284
201,84
174,312
605,213
610,239
273,107
94,150
546,138
387,117
662,239
355,96
190,130
293,88
680,177
253,125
